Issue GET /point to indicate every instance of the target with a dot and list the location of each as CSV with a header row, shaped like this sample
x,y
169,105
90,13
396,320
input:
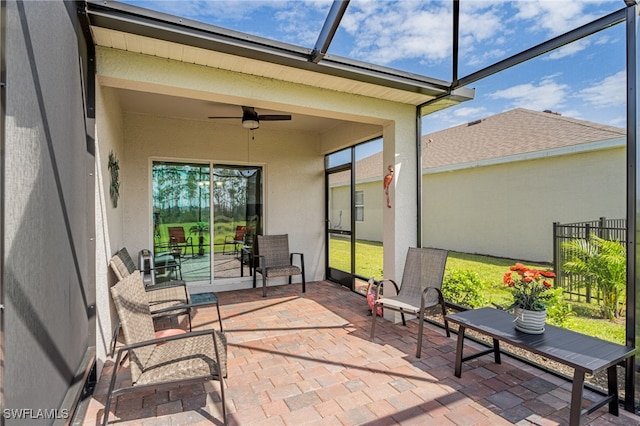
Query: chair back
x,y
275,249
122,264
176,235
240,231
424,267
130,299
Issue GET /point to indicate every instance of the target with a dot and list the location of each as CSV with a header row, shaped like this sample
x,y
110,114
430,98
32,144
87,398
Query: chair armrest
x,y
299,254
167,284
381,284
426,290
260,260
165,339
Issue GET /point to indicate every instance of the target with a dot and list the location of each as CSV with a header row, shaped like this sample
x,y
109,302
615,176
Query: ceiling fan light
x,y
250,124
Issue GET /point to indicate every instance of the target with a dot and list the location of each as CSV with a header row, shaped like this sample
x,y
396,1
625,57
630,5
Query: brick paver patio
x,y
306,359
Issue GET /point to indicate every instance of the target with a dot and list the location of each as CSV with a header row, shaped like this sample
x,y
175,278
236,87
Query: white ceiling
x,y
196,109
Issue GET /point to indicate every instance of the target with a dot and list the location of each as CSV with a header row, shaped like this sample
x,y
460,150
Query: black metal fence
x,y
573,285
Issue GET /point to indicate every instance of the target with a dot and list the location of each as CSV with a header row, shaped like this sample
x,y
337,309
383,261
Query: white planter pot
x,y
531,322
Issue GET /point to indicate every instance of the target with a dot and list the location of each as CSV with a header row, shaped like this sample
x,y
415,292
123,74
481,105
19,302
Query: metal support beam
x,y
633,202
329,30
456,42
562,40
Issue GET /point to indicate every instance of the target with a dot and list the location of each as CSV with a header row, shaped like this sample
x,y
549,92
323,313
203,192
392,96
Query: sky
x,y
584,80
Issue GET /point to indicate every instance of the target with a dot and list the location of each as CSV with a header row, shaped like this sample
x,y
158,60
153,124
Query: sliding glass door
x,y
205,218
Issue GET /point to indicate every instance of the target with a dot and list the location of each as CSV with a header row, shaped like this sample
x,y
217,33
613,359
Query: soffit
x,y
214,59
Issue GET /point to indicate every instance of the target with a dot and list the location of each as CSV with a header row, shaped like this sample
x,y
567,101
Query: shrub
x,y
603,262
464,287
559,312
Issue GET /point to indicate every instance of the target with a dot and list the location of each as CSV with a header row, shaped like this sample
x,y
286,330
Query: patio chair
x,y
421,289
274,260
161,297
167,362
234,240
178,240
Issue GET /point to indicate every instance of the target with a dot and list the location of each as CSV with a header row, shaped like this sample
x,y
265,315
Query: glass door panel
x,y
181,220
368,208
237,218
339,224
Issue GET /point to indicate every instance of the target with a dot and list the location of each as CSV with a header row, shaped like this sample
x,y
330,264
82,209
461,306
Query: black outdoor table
x,y
585,354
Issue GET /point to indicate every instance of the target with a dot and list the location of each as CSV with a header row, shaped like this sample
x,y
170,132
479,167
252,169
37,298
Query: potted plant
x,y
530,297
200,228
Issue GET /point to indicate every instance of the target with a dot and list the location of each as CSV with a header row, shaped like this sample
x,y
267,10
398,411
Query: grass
x,y
490,270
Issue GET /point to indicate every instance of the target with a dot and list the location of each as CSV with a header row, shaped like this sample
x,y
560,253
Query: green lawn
x,y
490,271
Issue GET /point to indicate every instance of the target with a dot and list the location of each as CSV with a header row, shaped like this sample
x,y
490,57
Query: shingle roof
x,y
516,131
513,132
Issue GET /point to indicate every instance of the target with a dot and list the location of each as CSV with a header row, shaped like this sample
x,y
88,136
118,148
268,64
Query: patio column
x,y
400,220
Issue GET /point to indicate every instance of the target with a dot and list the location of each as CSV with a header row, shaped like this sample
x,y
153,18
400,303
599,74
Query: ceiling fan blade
x,y
275,117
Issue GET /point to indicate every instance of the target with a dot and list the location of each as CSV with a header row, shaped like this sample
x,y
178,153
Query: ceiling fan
x,y
251,119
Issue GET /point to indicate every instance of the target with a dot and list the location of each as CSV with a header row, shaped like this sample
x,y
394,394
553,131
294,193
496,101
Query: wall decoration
x,y
387,181
114,187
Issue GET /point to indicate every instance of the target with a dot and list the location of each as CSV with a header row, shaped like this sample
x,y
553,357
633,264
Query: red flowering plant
x,y
529,287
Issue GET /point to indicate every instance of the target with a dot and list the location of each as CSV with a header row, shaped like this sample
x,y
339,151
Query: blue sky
x,y
584,80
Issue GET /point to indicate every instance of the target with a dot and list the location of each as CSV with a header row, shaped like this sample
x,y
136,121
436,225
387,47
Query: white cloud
x,y
555,17
569,49
547,94
609,92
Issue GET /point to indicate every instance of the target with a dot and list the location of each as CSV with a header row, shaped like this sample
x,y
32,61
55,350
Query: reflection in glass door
x,y
181,221
354,215
183,195
237,218
339,218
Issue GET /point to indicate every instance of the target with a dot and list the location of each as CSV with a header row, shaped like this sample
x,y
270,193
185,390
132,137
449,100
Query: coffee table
x,y
585,354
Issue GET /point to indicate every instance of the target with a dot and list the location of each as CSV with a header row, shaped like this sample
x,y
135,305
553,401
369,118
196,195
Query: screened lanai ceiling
x,y
426,53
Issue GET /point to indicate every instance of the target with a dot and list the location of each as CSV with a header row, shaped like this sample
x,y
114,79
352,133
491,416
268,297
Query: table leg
x,y
612,384
496,351
459,346
575,412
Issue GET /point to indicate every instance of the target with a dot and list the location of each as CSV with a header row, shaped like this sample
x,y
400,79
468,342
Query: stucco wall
x,y
508,210
293,170
109,223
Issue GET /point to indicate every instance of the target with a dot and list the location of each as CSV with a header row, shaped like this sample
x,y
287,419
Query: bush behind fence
x,y
572,284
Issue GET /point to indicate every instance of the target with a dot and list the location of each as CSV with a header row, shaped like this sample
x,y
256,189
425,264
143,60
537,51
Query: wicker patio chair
x,y
421,289
274,260
166,299
167,362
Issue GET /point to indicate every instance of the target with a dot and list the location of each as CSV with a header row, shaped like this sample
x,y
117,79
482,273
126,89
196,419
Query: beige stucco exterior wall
x,y
109,220
293,160
508,210
293,170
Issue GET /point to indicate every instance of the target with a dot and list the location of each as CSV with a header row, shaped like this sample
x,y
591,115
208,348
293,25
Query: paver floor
x,y
306,359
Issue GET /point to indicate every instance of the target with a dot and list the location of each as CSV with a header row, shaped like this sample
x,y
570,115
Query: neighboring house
x,y
495,186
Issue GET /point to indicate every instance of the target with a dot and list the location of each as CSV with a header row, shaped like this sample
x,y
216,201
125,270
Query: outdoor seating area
x,y
307,358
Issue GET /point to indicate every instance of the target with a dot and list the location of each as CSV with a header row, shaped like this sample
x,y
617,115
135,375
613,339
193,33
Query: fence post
x,y
556,252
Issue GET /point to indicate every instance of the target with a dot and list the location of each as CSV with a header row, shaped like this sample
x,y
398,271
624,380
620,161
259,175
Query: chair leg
x,y
219,317
444,317
374,312
115,339
264,286
420,331
112,383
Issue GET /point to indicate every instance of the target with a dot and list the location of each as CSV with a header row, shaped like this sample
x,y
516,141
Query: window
x,y
359,204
